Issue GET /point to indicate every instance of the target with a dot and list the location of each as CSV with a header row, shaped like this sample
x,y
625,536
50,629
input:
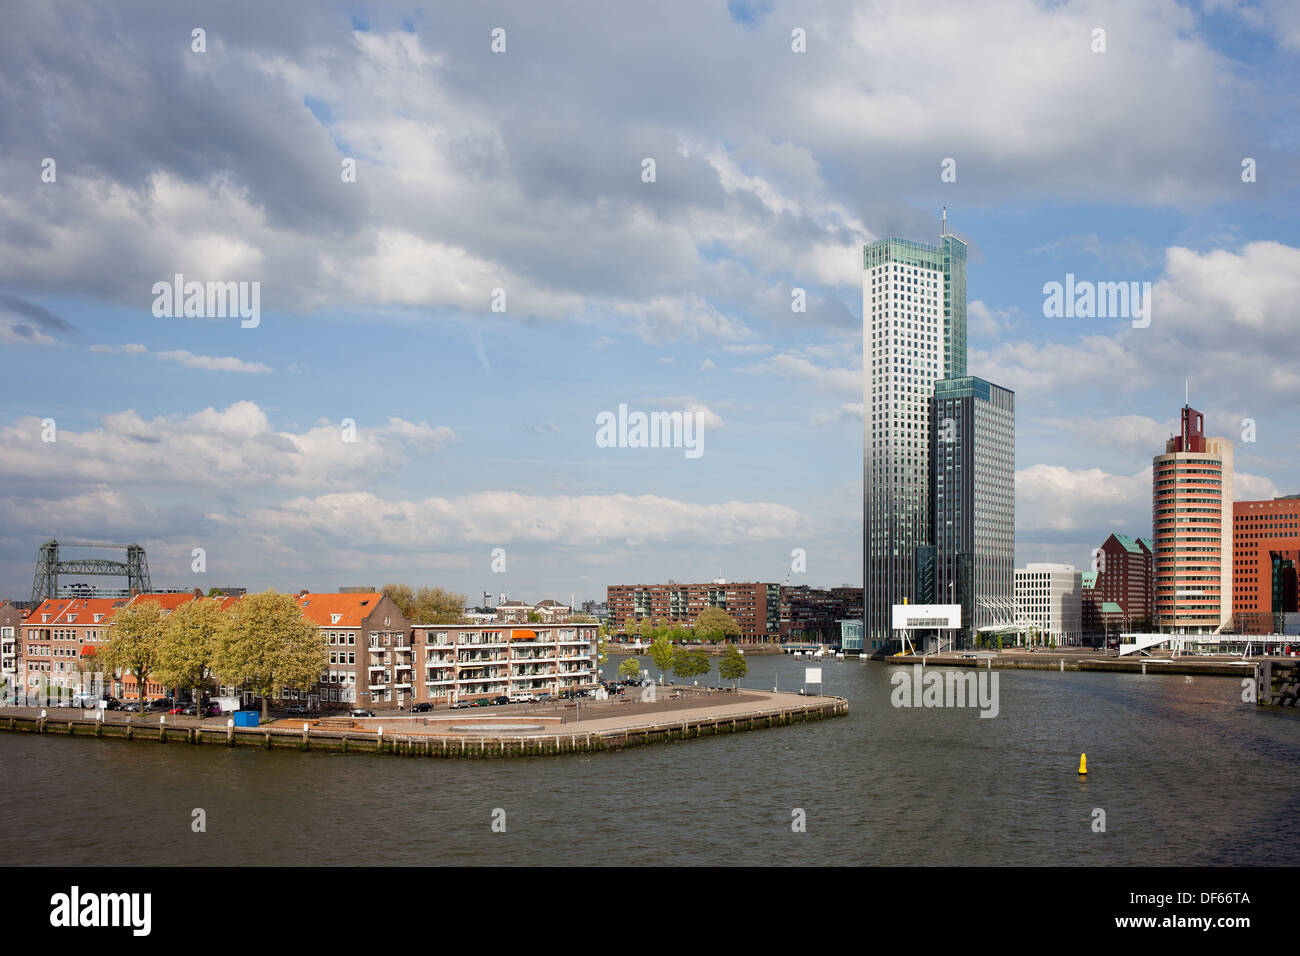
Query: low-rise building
x,y
371,660
59,641
459,663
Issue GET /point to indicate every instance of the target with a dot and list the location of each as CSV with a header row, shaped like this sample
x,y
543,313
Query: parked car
x,y
180,710
522,698
499,700
133,708
296,709
459,704
112,703
360,712
423,707
483,702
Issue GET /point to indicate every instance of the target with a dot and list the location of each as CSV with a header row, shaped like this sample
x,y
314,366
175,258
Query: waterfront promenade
x,y
678,713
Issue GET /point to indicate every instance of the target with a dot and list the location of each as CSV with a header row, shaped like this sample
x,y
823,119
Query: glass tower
x,y
973,496
914,333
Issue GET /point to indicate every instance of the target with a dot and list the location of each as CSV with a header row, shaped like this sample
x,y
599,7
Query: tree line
x,y
262,641
712,626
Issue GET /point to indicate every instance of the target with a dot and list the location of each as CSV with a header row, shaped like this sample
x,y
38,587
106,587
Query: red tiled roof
x,y
82,609
169,602
351,609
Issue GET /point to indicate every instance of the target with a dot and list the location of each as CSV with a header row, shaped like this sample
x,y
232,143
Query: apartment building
x,y
1048,600
371,661
468,662
11,643
913,335
59,639
814,614
755,606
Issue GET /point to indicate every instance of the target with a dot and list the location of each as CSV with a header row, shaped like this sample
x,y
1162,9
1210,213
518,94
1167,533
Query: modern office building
x,y
973,502
1191,520
914,333
1049,604
1265,562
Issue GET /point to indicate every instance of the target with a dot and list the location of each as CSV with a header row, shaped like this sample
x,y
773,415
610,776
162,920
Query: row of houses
x,y
377,658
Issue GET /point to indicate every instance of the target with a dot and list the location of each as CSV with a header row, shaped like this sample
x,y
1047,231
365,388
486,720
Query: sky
x,y
438,334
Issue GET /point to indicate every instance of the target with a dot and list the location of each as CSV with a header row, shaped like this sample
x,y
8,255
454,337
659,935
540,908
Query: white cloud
x,y
492,518
231,447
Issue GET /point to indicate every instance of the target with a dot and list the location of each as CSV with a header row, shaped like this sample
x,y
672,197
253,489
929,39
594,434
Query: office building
x,y
973,502
1191,518
914,333
1049,604
1265,561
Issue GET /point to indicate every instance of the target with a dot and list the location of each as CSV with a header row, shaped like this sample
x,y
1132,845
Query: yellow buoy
x,y
1083,765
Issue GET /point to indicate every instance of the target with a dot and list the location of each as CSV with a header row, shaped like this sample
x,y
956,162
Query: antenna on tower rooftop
x,y
945,222
1187,391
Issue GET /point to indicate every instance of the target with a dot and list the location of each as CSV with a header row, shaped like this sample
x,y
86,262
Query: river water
x,y
1185,773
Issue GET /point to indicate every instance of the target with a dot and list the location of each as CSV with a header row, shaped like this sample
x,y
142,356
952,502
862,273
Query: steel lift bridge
x,y
48,567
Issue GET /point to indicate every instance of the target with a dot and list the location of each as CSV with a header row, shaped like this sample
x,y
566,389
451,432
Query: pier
x,y
463,733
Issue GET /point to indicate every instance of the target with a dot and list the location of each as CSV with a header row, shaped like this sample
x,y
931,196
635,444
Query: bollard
x,y
230,731
306,744
1062,665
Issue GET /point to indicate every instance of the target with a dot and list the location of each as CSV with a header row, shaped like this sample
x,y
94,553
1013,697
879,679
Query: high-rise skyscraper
x,y
1191,525
914,333
973,498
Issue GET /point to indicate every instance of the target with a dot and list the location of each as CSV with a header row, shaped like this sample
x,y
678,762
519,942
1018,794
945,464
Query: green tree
x,y
732,666
630,669
428,605
714,625
661,652
691,663
133,640
402,596
534,617
268,643
191,637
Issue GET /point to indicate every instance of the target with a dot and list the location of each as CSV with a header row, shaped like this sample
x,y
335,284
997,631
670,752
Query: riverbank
x,y
690,714
1072,660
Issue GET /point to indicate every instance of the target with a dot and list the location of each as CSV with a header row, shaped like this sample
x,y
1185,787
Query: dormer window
x,y
335,618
